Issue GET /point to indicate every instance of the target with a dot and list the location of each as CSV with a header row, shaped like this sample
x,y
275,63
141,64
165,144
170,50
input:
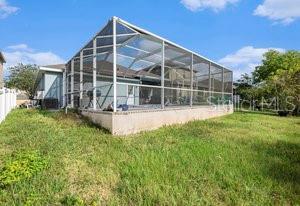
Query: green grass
x,y
240,159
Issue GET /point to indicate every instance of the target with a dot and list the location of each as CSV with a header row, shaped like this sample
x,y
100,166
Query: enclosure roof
x,y
143,31
2,59
165,40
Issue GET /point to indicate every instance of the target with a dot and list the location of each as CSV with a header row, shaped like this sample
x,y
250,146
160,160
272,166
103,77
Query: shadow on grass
x,y
73,115
281,161
91,124
257,112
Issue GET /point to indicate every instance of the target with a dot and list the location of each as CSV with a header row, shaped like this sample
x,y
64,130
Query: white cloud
x,y
245,59
6,9
216,5
22,47
283,11
22,53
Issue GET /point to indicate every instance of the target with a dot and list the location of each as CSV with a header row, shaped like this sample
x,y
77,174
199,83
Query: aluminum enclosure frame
x,y
111,51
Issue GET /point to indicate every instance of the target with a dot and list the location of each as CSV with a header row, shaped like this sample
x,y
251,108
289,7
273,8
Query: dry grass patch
x,y
87,182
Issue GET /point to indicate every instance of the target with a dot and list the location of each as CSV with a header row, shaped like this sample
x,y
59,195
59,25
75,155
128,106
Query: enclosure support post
x,y
231,88
163,75
64,85
222,86
81,78
72,83
209,82
114,64
192,78
94,75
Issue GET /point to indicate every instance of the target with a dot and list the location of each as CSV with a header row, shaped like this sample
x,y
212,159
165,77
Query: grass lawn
x,y
240,159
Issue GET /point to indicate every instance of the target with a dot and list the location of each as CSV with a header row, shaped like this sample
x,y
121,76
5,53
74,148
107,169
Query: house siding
x,y
52,83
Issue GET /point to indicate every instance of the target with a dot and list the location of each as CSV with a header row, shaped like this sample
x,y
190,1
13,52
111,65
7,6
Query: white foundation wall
x,y
103,119
131,122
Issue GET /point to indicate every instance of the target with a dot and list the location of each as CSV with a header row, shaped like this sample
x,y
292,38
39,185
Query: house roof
x,y
55,66
2,59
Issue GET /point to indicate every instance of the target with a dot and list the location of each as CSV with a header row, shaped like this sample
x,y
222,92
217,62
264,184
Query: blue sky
x,y
233,32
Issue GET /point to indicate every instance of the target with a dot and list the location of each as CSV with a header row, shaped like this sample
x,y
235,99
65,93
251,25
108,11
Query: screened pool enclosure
x,y
127,68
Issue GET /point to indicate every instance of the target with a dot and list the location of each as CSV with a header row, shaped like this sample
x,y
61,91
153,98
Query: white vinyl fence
x,y
8,101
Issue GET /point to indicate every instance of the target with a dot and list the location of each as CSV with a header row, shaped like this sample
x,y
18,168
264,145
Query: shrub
x,y
20,167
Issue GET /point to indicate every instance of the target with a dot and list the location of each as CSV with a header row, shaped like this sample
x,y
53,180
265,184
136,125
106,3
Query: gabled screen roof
x,y
125,32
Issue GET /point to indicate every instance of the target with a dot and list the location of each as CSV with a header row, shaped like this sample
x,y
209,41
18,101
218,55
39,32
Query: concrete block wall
x,y
103,119
131,122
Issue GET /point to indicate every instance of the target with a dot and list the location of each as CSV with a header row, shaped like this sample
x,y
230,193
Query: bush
x,y
20,167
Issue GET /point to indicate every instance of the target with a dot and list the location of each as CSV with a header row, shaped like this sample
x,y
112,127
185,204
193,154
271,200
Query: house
x,y
127,79
50,87
2,61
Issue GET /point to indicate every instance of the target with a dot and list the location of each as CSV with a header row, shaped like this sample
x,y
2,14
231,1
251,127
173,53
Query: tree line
x,y
277,78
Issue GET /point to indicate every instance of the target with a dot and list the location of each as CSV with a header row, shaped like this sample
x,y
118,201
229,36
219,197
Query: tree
x,y
245,80
280,72
249,92
270,64
23,77
244,86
